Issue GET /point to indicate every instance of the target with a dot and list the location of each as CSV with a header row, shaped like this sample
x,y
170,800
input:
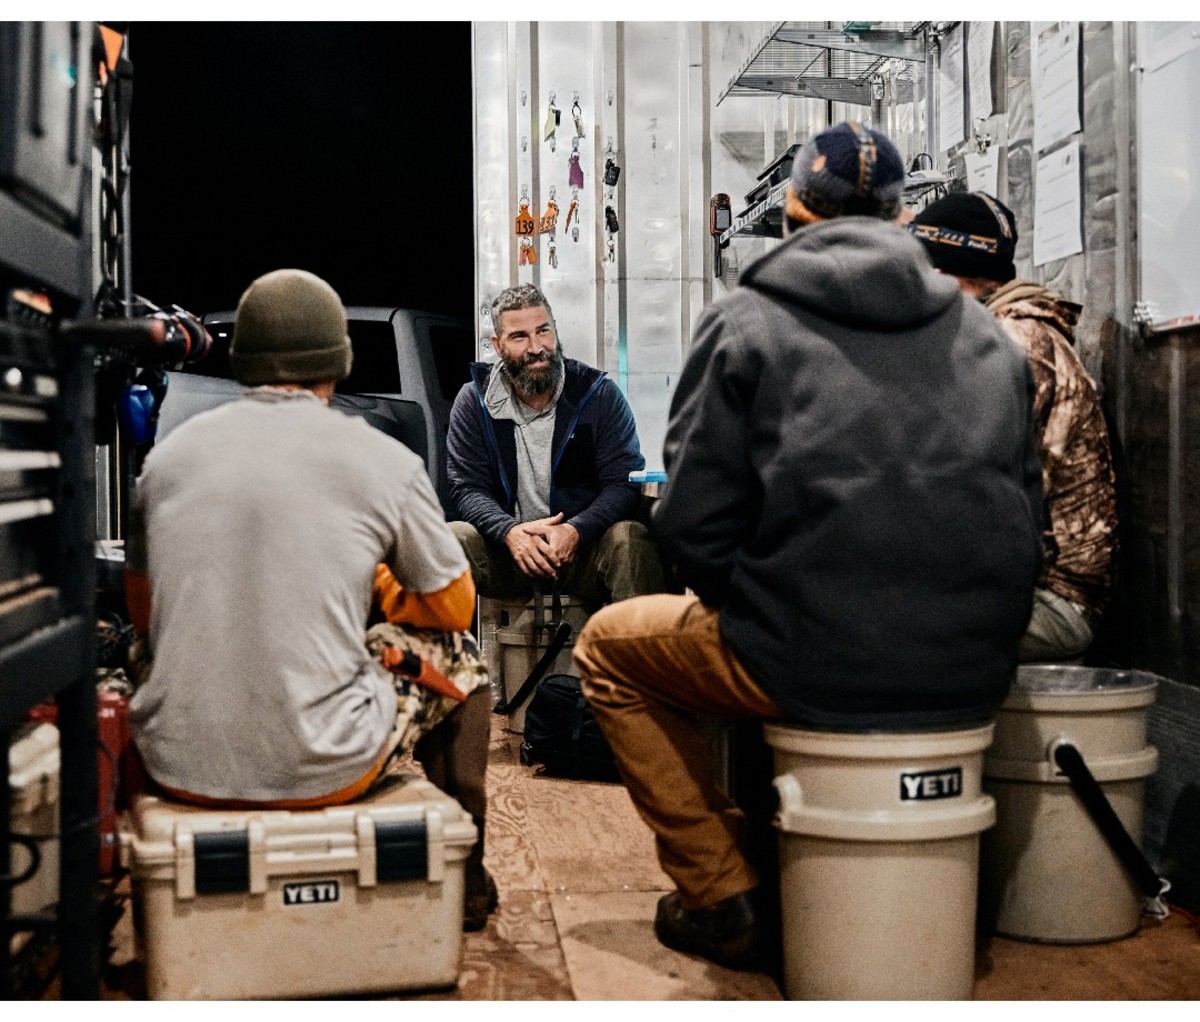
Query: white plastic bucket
x,y
879,861
1047,872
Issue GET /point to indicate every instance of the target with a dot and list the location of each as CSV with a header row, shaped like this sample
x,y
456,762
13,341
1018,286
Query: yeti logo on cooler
x,y
924,785
314,893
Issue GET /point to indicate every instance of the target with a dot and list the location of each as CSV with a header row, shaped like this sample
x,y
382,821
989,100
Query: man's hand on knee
x,y
530,547
561,542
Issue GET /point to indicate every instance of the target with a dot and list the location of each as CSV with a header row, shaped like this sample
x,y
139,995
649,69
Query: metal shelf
x,y
806,59
762,220
765,218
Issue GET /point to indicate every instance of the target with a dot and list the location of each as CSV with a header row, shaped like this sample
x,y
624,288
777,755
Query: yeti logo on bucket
x,y
924,785
314,893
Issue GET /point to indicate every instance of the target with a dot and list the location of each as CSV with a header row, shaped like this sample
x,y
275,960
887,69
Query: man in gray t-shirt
x,y
262,533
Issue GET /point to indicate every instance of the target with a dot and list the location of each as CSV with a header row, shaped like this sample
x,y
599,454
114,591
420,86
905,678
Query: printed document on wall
x,y
950,91
983,171
1058,206
1055,84
979,67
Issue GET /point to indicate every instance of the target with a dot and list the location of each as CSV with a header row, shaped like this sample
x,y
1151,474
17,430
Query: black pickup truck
x,y
408,366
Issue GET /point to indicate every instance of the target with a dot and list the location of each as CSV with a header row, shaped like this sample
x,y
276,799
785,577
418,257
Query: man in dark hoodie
x,y
853,497
539,456
973,237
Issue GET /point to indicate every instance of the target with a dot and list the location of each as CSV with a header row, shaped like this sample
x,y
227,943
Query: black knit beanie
x,y
290,328
969,234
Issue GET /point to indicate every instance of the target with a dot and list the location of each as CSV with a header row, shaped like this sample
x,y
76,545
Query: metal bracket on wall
x,y
1143,314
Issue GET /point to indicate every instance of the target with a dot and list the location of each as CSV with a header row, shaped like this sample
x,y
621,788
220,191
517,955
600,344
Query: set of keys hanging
x,y
612,174
527,227
554,118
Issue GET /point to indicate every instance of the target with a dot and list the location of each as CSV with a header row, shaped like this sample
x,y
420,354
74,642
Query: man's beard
x,y
535,375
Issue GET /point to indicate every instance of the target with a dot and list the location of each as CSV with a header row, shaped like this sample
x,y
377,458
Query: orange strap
x,y
409,665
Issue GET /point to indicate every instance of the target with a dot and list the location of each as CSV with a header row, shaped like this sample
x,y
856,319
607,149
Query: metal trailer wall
x,y
1150,388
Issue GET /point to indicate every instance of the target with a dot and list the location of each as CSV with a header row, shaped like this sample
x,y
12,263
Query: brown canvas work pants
x,y
652,667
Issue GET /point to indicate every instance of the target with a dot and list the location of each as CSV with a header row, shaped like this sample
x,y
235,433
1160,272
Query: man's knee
x,y
469,538
626,536
586,650
631,561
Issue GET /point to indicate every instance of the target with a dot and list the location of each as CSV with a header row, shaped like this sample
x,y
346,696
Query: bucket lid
x,y
872,745
1063,685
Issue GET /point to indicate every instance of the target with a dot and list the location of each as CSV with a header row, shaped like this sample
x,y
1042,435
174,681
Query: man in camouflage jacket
x,y
973,237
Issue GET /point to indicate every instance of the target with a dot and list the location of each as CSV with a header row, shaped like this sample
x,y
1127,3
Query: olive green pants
x,y
1058,629
624,562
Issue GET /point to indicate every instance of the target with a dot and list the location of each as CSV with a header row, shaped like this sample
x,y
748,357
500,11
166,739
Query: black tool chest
x,y
47,483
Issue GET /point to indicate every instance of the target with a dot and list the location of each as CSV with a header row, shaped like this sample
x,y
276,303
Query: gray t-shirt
x,y
534,437
260,524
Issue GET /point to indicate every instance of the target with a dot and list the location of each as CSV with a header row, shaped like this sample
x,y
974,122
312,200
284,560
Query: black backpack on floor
x,y
561,733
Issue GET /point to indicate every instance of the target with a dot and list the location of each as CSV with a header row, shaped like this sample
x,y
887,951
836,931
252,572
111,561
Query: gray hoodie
x,y
853,482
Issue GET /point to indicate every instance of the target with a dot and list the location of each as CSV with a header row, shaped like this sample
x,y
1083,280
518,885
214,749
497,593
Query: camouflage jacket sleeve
x,y
1077,476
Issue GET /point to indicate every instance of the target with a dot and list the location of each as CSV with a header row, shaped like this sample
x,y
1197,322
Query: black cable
x,y
29,842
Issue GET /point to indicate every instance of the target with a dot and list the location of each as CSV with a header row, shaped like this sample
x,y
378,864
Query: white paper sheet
x,y
983,171
1055,84
950,91
1168,40
1057,206
979,66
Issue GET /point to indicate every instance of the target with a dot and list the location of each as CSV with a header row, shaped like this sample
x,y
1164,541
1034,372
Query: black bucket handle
x,y
1153,887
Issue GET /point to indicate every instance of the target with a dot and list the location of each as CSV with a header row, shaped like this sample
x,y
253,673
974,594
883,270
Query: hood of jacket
x,y
856,270
1022,299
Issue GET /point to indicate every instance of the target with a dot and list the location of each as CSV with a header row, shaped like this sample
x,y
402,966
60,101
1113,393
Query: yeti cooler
x,y
355,899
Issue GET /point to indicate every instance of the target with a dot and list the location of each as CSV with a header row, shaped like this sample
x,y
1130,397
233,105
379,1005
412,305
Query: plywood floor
x,y
578,885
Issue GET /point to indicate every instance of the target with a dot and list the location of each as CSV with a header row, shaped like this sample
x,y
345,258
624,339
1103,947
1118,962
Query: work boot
x,y
481,897
732,933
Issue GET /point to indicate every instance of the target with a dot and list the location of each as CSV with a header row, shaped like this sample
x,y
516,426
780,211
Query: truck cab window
x,y
376,369
453,351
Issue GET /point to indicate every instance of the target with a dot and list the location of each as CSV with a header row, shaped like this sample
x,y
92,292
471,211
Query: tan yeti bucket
x,y
879,861
1047,872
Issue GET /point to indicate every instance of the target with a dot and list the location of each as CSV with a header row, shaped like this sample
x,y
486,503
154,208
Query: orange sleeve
x,y
137,600
450,609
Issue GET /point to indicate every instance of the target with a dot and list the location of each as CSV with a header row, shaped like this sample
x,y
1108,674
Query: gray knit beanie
x,y
290,328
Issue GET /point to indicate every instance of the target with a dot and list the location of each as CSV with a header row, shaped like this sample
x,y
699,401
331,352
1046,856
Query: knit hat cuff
x,y
254,368
965,255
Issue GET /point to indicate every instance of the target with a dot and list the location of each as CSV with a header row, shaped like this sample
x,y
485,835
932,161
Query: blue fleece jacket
x,y
595,447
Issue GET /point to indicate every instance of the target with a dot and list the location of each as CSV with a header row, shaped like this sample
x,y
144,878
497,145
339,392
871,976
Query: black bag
x,y
562,734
